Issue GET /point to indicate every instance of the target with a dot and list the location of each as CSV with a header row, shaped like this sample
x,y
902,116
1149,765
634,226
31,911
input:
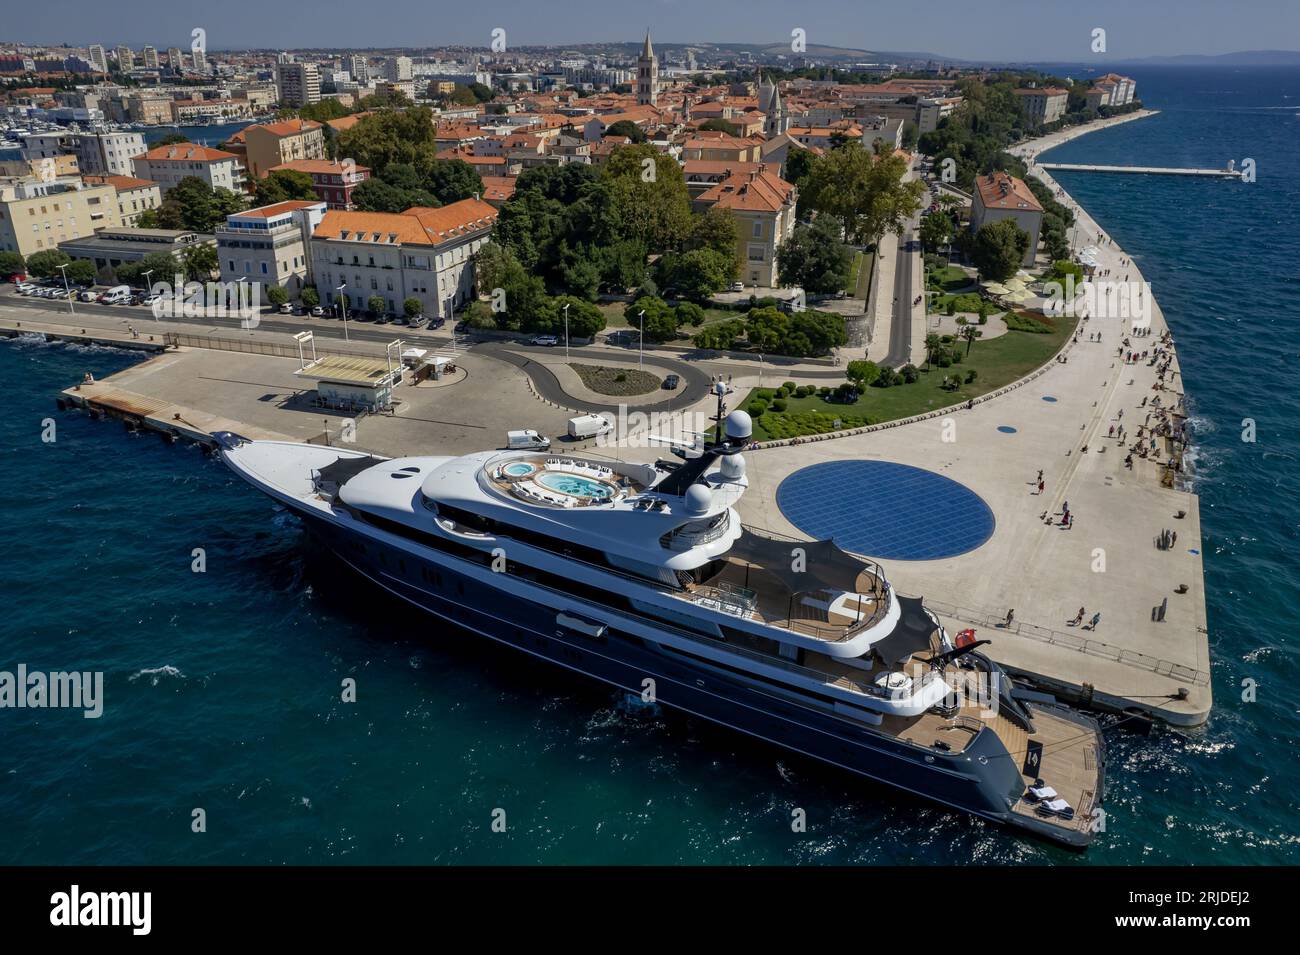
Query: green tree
x,y
451,180
659,324
688,313
866,193
309,297
625,127
715,229
970,333
412,307
696,274
199,262
720,336
376,304
585,319
862,373
161,266
648,200
82,272
936,231
284,185
391,136
814,258
11,263
276,295
998,249
171,139
45,264
193,204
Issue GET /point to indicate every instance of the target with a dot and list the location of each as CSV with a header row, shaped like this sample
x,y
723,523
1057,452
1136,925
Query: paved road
x,y
900,332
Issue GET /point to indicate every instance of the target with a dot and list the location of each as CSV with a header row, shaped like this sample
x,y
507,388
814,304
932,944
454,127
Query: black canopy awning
x,y
822,566
912,634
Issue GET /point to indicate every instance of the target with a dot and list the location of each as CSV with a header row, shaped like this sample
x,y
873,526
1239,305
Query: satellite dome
x,y
740,426
698,500
733,467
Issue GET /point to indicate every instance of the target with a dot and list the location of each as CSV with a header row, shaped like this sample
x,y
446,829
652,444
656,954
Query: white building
x,y
107,153
168,165
269,245
298,83
98,58
420,253
397,69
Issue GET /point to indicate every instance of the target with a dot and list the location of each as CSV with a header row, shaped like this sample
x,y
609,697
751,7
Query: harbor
x,y
1146,657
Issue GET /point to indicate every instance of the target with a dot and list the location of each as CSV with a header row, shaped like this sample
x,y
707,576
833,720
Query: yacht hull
x,y
981,780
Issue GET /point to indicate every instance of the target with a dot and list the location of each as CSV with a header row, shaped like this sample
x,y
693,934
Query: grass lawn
x,y
998,361
865,264
948,279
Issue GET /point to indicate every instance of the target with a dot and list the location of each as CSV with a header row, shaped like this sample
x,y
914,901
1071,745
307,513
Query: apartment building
x,y
106,153
134,196
269,245
37,215
764,206
168,165
332,179
719,147
298,83
420,253
1111,90
113,247
1000,196
1045,104
273,144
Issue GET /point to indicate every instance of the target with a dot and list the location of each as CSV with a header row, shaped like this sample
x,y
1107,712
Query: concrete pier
x,y
1144,170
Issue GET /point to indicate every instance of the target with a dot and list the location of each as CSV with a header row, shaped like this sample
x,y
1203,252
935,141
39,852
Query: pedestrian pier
x,y
1227,172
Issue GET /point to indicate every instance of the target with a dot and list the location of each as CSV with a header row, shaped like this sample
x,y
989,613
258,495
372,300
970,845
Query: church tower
x,y
777,120
647,75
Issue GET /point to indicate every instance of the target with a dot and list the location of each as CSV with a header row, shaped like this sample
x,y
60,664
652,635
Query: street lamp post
x,y
566,331
343,304
67,291
640,344
149,290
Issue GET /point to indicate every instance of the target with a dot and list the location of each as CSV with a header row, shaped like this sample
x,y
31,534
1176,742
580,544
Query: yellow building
x,y
274,144
764,206
36,215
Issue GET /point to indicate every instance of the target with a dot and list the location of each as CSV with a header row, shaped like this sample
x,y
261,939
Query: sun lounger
x,y
1040,793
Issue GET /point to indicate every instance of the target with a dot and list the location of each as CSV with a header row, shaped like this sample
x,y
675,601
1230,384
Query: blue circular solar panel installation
x,y
885,510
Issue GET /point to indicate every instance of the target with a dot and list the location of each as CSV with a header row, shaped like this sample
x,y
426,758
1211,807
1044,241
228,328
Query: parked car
x,y
549,341
149,298
318,311
118,295
672,381
437,323
738,286
588,426
286,309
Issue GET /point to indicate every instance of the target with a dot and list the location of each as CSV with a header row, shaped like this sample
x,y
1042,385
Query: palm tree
x,y
932,344
970,333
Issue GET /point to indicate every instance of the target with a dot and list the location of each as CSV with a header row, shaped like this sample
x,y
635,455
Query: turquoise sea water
x,y
222,688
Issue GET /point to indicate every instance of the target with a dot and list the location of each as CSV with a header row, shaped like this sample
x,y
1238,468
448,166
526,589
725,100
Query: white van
x,y
526,440
588,426
118,295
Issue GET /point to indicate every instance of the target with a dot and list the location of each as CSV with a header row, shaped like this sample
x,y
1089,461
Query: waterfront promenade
x,y
1057,422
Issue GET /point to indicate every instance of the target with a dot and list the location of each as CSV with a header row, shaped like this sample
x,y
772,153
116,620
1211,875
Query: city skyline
x,y
1022,31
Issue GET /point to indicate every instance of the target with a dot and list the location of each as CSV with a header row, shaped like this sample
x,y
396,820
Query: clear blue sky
x,y
992,29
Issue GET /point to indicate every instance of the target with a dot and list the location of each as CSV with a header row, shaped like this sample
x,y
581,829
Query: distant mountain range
x,y
1243,58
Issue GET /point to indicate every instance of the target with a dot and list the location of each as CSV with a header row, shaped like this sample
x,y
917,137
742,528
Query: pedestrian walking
x,y
1096,619
1011,615
1040,487
1078,618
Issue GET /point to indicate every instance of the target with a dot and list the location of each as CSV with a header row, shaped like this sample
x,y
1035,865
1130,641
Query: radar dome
x,y
740,426
733,467
698,500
